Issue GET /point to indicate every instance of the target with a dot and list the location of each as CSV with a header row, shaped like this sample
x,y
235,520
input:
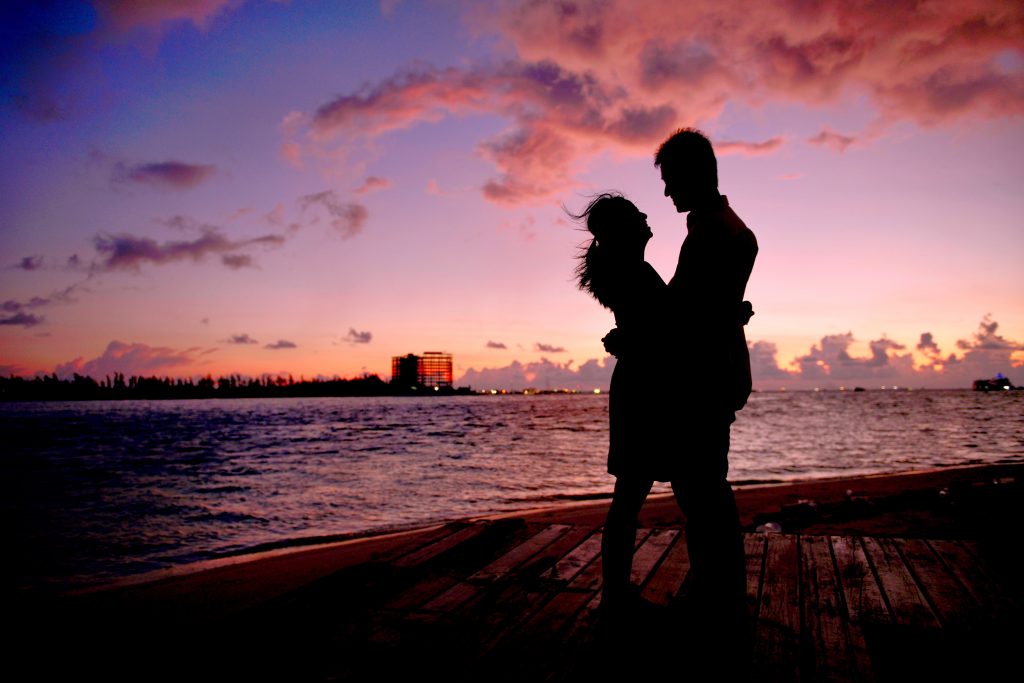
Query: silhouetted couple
x,y
683,371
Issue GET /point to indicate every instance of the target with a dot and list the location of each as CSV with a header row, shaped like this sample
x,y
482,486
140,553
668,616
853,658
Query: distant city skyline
x,y
311,188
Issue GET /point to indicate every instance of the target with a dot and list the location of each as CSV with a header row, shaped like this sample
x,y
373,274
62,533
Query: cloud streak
x,y
282,344
129,252
175,175
548,348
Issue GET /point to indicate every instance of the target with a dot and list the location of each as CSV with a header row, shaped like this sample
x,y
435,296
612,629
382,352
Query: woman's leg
x,y
620,537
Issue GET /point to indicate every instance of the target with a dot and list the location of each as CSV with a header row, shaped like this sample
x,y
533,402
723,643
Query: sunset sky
x,y
304,187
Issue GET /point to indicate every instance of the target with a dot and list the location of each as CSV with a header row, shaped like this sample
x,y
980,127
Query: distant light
x,y
597,391
437,388
1006,388
494,391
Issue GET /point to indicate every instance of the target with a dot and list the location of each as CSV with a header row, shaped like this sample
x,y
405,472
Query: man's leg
x,y
620,538
713,533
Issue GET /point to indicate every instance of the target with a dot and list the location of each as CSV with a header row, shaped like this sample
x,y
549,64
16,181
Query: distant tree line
x,y
119,387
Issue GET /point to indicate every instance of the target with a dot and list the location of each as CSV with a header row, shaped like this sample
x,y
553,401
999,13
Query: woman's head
x,y
614,220
620,233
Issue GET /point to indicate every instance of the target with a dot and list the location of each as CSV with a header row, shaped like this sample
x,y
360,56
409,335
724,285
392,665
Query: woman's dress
x,y
639,412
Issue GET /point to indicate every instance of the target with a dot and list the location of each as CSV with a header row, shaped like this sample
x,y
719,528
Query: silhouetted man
x,y
707,314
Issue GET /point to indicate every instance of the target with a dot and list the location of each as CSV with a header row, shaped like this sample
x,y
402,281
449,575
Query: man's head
x,y
688,168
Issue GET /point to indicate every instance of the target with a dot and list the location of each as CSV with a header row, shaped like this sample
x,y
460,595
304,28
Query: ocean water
x,y
99,490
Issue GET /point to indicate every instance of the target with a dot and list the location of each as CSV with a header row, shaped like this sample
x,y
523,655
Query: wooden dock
x,y
508,600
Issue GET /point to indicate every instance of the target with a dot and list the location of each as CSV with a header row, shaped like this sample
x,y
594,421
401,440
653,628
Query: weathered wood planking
x,y
908,605
776,654
646,558
440,546
754,546
833,651
864,602
513,558
572,564
976,578
947,597
669,577
521,602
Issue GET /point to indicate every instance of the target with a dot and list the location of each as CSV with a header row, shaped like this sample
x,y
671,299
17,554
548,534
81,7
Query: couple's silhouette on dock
x,y
683,371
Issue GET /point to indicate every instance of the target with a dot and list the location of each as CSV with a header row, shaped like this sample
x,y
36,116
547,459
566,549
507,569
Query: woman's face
x,y
635,226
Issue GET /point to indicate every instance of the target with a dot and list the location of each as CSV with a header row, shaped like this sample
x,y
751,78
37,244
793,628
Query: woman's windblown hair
x,y
595,259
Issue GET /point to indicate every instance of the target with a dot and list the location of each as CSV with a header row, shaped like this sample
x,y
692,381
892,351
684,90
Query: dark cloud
x,y
129,359
372,184
29,263
74,261
23,319
236,261
927,343
60,296
543,374
495,345
829,363
548,348
354,337
240,338
986,339
128,252
176,175
348,218
282,344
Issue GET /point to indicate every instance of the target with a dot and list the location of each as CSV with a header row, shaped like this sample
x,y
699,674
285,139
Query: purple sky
x,y
313,187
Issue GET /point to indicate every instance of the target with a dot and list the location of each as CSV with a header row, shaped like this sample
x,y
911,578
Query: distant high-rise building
x,y
431,370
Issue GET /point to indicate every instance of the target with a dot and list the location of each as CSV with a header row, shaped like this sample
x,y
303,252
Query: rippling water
x,y
103,489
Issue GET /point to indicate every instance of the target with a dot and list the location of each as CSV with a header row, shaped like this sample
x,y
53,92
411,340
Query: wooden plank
x,y
864,602
950,601
503,609
777,645
524,551
830,650
443,545
435,578
646,558
754,546
669,577
907,603
572,564
972,575
447,601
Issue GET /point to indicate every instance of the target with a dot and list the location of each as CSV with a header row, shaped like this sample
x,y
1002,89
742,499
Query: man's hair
x,y
691,147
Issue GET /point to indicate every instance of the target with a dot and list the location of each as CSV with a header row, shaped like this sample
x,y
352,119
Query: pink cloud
x,y
129,359
586,77
543,374
372,184
829,138
749,148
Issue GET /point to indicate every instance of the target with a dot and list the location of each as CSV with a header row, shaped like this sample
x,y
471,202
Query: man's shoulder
x,y
737,228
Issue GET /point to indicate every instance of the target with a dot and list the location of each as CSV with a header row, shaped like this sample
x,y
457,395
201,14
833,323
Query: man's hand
x,y
615,342
744,312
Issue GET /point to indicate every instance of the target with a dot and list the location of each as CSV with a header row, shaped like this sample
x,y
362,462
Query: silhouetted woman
x,y
614,271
